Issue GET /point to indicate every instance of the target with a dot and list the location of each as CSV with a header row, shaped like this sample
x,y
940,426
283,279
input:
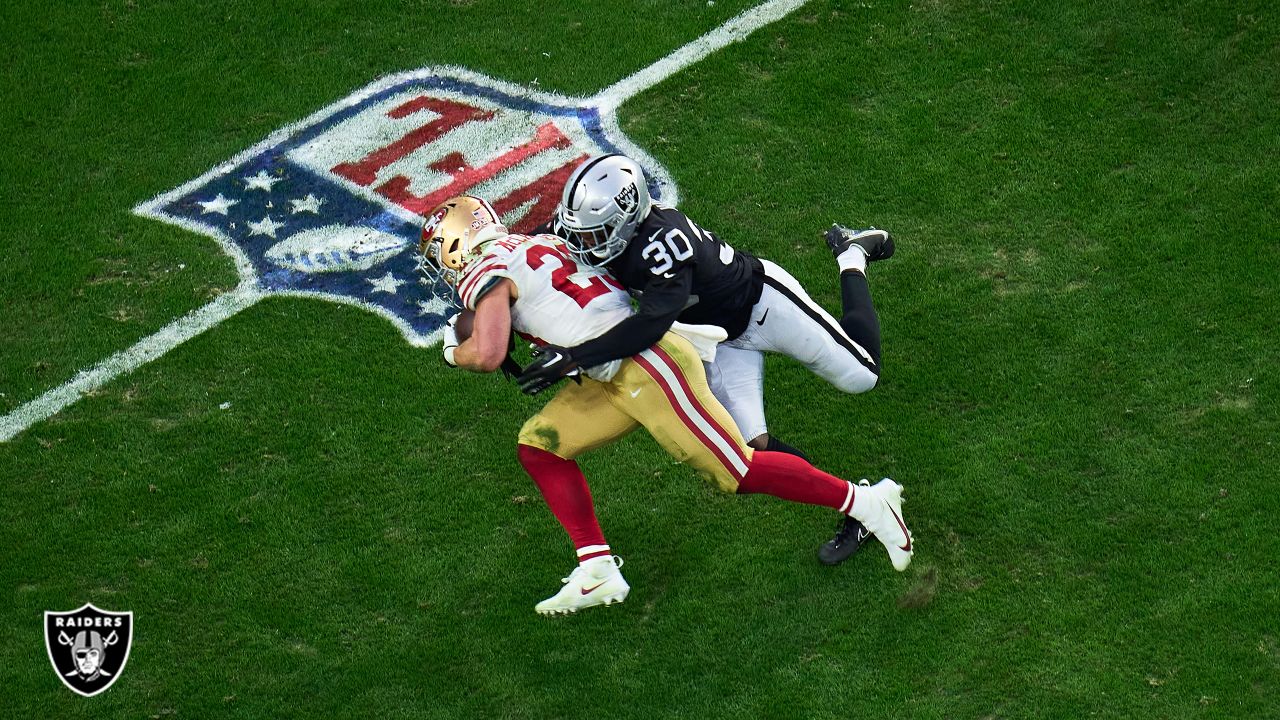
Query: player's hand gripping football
x,y
550,364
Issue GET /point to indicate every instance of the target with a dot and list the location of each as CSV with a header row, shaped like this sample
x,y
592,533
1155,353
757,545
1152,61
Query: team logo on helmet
x,y
88,647
628,199
434,221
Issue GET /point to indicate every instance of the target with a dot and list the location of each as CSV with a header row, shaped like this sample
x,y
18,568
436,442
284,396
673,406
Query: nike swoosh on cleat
x,y
907,547
588,591
863,534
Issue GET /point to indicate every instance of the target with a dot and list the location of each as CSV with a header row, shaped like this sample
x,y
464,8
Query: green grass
x,y
1080,387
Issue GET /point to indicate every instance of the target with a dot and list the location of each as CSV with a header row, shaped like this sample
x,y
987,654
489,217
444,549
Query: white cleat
x,y
596,582
879,508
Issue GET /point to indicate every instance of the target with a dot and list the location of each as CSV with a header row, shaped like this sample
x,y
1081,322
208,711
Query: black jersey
x,y
726,282
677,271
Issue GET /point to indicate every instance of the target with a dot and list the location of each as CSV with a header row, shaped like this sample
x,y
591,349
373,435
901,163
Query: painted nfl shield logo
x,y
333,206
328,207
88,647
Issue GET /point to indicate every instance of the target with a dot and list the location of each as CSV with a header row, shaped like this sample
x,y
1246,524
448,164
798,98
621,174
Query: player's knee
x,y
725,482
856,380
540,434
716,474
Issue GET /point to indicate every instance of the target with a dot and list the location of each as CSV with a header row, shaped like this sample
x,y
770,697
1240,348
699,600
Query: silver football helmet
x,y
606,198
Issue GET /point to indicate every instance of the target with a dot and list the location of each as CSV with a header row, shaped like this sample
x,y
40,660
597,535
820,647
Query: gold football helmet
x,y
454,235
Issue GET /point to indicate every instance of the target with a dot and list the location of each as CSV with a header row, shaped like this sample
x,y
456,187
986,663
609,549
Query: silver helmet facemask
x,y
603,203
440,281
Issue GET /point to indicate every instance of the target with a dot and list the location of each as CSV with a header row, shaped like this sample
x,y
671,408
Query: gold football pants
x,y
664,389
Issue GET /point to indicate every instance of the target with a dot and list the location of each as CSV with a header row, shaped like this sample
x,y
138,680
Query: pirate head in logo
x,y
88,651
88,647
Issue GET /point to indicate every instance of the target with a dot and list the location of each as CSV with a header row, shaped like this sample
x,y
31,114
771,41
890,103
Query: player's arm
x,y
663,299
486,347
661,303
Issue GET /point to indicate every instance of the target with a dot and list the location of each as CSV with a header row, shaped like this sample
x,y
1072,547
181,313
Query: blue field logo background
x,y
308,229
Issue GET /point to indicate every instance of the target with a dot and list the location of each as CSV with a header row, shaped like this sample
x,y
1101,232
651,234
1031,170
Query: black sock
x,y
859,320
776,445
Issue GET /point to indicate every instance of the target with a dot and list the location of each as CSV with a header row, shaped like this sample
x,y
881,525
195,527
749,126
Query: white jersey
x,y
557,302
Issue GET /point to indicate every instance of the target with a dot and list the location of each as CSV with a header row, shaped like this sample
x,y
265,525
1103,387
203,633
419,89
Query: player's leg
x,y
877,507
773,473
800,328
665,389
737,380
691,425
853,250
577,419
687,420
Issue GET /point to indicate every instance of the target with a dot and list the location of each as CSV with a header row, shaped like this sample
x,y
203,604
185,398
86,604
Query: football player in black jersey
x,y
680,271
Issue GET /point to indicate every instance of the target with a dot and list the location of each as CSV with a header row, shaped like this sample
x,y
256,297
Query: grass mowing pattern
x,y
1079,395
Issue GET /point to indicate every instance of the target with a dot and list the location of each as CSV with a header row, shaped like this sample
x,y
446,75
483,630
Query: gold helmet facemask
x,y
454,235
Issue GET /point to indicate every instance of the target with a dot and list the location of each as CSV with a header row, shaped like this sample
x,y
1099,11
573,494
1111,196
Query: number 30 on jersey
x,y
664,252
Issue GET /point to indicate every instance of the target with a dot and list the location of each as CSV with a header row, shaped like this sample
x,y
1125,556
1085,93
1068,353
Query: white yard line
x,y
737,28
147,349
248,292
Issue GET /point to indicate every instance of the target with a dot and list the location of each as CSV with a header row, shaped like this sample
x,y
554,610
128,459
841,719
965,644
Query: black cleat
x,y
878,244
848,539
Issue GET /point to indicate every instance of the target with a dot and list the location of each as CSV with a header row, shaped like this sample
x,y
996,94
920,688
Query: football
x,y
335,248
466,321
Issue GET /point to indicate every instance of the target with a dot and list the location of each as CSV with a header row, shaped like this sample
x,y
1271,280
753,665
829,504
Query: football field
x,y
310,515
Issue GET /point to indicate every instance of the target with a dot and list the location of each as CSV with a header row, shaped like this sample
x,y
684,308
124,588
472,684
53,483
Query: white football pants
x,y
787,321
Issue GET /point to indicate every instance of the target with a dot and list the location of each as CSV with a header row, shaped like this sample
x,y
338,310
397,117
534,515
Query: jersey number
x,y
562,276
656,252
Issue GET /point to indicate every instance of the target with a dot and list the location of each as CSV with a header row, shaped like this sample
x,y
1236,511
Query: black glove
x,y
550,364
510,368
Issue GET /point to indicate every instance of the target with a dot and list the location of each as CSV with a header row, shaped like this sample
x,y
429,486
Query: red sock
x,y
566,493
793,478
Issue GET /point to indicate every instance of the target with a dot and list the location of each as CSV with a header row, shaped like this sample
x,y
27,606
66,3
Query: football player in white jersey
x,y
532,285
